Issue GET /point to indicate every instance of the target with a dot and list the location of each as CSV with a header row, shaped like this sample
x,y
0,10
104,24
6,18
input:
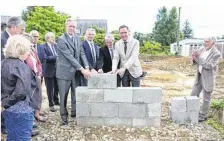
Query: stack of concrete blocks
x,y
102,103
184,110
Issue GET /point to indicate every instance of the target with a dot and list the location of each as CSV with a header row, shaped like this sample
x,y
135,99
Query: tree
x,y
150,48
187,30
45,19
166,25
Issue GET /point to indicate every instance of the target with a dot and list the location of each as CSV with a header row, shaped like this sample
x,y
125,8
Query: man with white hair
x,y
207,59
49,51
91,51
15,25
106,57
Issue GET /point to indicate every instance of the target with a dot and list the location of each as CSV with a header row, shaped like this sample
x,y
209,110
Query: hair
x,y
109,36
213,39
16,46
48,35
70,20
33,32
28,36
90,29
123,26
15,21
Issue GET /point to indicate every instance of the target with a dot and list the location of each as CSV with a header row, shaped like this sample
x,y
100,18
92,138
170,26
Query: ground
x,y
175,76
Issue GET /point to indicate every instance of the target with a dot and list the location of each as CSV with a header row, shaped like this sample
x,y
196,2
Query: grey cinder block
x,y
123,94
104,109
193,103
82,109
154,109
146,122
99,81
118,121
147,95
83,94
90,121
129,110
178,104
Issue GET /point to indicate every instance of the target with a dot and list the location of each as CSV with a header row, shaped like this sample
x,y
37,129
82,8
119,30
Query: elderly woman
x,y
34,63
16,89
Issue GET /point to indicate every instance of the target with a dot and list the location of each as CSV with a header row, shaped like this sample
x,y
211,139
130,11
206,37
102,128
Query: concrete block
x,y
192,117
129,110
89,121
118,121
104,109
99,81
223,117
154,109
83,94
178,117
193,103
82,109
147,95
178,104
123,94
146,122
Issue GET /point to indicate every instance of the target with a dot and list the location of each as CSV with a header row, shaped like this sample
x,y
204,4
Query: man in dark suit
x,y
69,68
49,51
91,51
106,57
15,25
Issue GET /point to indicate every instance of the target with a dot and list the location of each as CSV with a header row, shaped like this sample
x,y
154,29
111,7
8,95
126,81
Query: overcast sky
x,y
205,17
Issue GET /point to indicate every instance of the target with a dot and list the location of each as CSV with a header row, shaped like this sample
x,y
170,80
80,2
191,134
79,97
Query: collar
x,y
8,33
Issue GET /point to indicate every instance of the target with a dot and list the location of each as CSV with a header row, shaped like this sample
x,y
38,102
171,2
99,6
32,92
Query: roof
x,y
190,41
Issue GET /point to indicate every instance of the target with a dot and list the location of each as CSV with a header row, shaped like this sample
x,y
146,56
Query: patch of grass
x,y
217,104
215,124
164,77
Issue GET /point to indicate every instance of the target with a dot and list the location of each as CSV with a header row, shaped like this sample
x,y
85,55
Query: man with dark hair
x,y
127,52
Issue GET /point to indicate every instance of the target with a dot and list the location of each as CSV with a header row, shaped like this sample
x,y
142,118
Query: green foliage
x,y
187,30
99,30
45,19
165,29
151,48
217,104
215,124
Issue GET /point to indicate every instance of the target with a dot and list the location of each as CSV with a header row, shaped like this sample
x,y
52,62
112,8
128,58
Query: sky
x,y
206,17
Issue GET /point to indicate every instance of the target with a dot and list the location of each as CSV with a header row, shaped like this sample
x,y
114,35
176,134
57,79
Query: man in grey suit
x,y
127,52
69,69
207,59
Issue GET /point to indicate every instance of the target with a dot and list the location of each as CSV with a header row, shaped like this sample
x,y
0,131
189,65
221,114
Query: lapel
x,y
211,53
48,49
68,39
129,47
108,53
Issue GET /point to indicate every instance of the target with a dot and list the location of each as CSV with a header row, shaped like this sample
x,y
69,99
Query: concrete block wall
x,y
123,106
184,110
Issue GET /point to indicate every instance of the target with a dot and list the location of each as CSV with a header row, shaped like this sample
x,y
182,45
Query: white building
x,y
188,45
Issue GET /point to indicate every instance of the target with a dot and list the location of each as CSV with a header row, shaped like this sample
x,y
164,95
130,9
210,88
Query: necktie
x,y
111,53
125,47
53,50
93,52
72,38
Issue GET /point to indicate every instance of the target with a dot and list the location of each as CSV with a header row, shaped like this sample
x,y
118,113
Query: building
x,y
4,20
188,45
83,24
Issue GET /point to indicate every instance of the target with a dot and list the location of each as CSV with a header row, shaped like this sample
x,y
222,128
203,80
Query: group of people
x,y
68,63
63,65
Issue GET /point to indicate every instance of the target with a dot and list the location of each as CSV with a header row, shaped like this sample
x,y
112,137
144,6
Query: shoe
x,y
64,120
52,109
35,132
201,119
41,114
35,125
40,119
57,103
73,115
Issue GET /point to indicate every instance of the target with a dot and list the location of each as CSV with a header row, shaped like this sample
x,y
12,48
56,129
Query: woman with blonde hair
x,y
16,92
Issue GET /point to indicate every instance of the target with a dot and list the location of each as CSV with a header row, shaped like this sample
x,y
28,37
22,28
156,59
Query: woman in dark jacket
x,y
16,89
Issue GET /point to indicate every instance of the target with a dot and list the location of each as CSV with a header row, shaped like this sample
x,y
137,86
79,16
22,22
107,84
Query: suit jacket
x,y
89,57
4,38
105,60
130,60
209,68
49,60
69,57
